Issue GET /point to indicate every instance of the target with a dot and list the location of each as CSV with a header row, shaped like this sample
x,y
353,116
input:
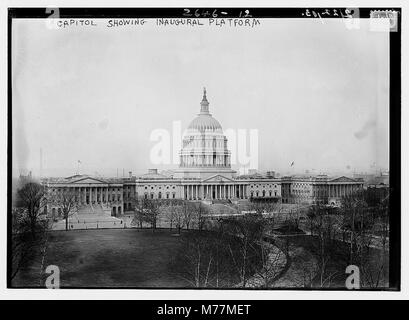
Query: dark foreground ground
x,y
145,259
110,258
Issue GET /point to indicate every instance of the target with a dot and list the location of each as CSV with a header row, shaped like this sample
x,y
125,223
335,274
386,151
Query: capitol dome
x,y
204,150
204,121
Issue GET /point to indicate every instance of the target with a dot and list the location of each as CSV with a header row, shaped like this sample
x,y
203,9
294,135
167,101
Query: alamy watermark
x,y
243,145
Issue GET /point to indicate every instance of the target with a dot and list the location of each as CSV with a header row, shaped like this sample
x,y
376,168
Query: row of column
x,y
88,195
340,190
205,160
225,191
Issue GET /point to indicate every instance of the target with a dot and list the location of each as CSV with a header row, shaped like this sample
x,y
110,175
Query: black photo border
x,y
261,13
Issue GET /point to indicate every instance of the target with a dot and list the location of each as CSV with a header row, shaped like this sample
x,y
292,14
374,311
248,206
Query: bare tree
x,y
198,260
67,201
188,213
140,212
29,226
248,231
364,212
152,212
323,228
147,210
32,197
201,213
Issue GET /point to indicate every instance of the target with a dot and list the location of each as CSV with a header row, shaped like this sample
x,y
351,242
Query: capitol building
x,y
204,174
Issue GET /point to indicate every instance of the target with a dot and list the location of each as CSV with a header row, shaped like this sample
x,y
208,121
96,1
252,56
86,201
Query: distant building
x,y
317,189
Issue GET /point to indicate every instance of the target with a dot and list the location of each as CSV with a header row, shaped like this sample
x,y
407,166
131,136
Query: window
x,y
151,195
146,196
160,195
173,195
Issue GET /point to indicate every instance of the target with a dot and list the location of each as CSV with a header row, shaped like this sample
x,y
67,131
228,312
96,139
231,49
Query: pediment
x,y
89,180
343,179
218,179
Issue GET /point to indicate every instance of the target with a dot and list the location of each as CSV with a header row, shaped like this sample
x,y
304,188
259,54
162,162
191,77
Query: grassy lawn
x,y
110,258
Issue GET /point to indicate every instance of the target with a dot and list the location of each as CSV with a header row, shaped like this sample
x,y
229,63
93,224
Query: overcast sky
x,y
316,91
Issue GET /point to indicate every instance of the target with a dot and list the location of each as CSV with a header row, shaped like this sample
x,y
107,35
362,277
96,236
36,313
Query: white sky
x,y
316,91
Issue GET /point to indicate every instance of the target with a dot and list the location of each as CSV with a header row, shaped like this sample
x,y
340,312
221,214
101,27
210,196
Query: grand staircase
x,y
91,216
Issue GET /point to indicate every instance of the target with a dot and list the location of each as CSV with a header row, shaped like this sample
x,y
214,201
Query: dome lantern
x,y
204,105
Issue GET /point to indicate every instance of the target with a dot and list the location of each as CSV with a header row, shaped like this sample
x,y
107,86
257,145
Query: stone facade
x,y
318,189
